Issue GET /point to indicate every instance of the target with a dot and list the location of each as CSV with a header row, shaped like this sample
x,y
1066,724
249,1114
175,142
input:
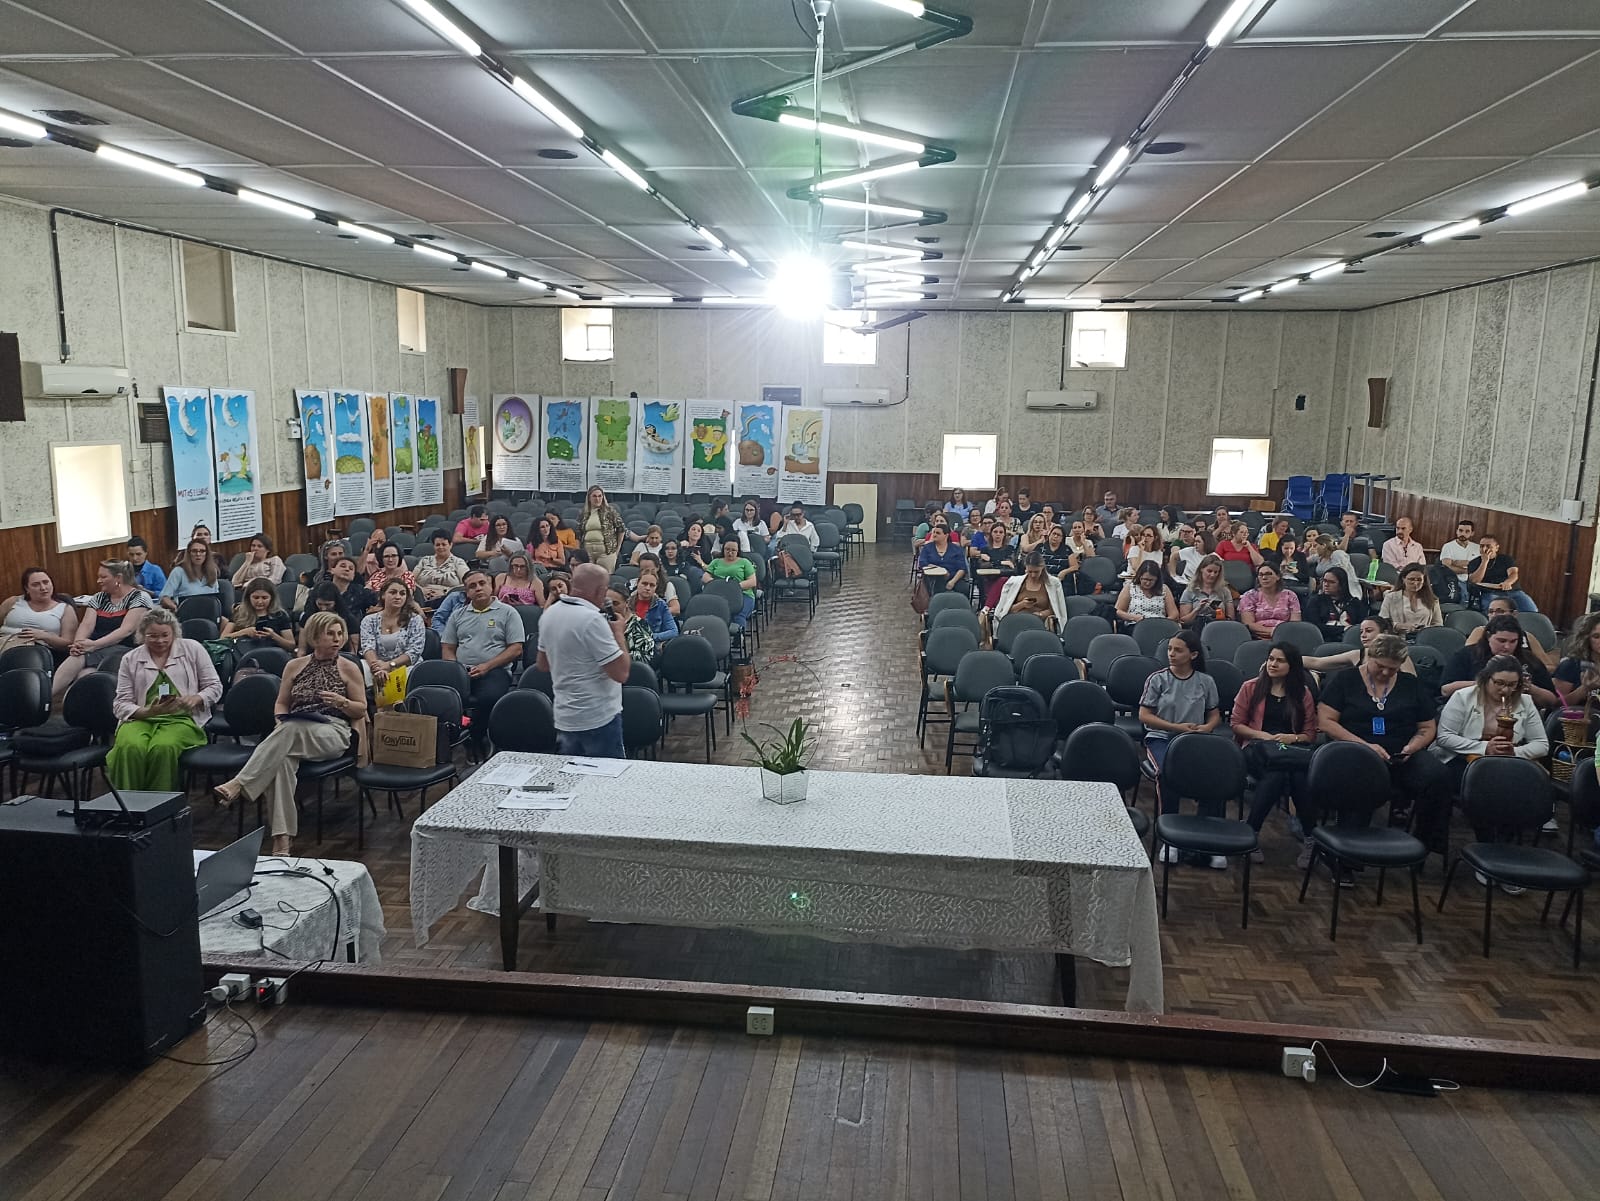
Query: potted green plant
x,y
782,760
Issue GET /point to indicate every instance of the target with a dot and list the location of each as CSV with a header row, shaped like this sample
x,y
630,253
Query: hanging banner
x,y
804,445
379,452
611,443
352,485
659,447
516,460
755,472
233,437
709,422
430,476
402,437
194,482
563,467
472,461
316,446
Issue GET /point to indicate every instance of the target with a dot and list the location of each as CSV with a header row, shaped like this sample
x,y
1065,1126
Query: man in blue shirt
x,y
145,573
451,602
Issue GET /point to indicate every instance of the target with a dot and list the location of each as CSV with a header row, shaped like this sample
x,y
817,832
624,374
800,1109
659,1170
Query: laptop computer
x,y
227,873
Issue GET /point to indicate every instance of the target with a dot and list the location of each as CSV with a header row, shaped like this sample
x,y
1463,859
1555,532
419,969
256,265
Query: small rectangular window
x,y
844,343
969,461
1239,466
91,493
413,320
1100,340
586,335
207,288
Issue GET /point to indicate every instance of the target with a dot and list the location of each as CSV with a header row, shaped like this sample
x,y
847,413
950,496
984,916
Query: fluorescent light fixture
x,y
23,127
888,210
287,208
892,295
1005,297
1026,274
865,136
433,252
889,248
640,300
1056,236
627,172
1078,205
151,166
361,231
801,287
1064,302
565,293
867,176
546,106
910,7
489,269
1247,297
1283,285
1038,260
737,257
1553,196
1230,21
1330,269
444,27
1450,231
529,281
709,236
734,300
1112,167
876,279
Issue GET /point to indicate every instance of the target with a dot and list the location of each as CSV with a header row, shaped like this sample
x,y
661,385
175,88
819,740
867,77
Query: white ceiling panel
x,y
1317,19
1268,190
29,32
185,26
1190,239
1394,185
1073,106
1542,116
1123,21
1151,192
1528,16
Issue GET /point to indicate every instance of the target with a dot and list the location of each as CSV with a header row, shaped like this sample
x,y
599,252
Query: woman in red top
x,y
1239,547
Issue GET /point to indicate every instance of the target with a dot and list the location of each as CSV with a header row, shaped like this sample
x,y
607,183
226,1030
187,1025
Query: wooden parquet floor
x,y
852,669
367,1105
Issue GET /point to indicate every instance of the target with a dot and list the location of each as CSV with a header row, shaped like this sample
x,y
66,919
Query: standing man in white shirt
x,y
583,650
1456,557
797,524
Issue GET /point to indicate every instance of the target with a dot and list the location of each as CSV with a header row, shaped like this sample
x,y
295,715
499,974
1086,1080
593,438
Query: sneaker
x,y
1347,878
1512,890
1169,854
1481,878
1306,849
1219,863
1550,827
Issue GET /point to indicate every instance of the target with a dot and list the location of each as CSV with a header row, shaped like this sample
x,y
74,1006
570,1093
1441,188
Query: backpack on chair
x,y
1015,731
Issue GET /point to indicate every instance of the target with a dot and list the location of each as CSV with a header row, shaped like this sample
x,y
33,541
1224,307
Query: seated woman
x,y
1578,673
990,560
650,546
165,689
1273,713
1504,606
1127,519
1061,561
1034,536
1182,560
1412,606
556,587
1079,540
350,599
1269,604
665,588
1144,596
677,562
1092,528
1034,591
1169,525
1292,565
1496,716
1180,699
116,612
442,573
321,696
731,565
700,544
259,620
1502,636
545,545
1274,533
391,566
1208,596
636,635
647,606
1146,548
498,542
1332,609
943,563
194,575
259,564
517,585
38,617
1380,705
1326,555
393,637
958,504
565,534
1371,626
1237,547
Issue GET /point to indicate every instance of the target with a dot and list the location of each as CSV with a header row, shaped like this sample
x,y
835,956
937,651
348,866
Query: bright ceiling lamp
x,y
277,205
444,27
893,297
869,207
1056,236
1078,205
639,300
878,279
1229,22
23,127
865,136
868,175
1330,269
738,258
1450,231
910,7
745,300
708,236
1554,196
362,231
1064,302
565,293
1112,167
489,269
1284,285
150,166
1247,297
1039,259
546,106
801,287
433,252
893,249
627,172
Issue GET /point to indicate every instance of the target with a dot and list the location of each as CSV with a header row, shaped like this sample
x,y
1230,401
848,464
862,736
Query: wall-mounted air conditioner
x,y
875,398
73,379
1063,400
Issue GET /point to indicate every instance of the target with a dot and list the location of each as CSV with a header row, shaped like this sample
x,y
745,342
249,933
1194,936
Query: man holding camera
x,y
582,648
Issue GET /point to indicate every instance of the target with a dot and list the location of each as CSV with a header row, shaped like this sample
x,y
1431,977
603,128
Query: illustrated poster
x,y
515,429
430,475
194,480
316,447
611,443
710,424
659,447
379,452
803,475
563,466
352,485
755,471
472,459
233,438
402,439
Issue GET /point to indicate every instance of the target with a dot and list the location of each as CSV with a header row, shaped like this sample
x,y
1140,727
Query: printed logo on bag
x,y
398,740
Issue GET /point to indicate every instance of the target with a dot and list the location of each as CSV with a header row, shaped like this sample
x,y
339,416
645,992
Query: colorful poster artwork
x,y
514,426
194,480
709,432
402,439
611,443
659,447
564,467
316,453
430,471
233,439
803,475
472,457
755,471
352,485
379,458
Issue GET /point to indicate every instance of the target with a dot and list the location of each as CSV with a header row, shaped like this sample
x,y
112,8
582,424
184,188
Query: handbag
x,y
405,739
1284,758
394,688
919,597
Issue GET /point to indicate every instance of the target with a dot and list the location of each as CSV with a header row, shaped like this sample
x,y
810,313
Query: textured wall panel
x,y
1198,342
1460,318
635,335
323,321
1249,373
1483,391
1138,423
684,347
1034,435
1564,363
1519,380
1305,365
930,410
536,347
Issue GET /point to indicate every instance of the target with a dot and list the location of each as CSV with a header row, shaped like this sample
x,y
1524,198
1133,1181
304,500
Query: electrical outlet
x,y
271,990
1300,1063
237,984
759,1019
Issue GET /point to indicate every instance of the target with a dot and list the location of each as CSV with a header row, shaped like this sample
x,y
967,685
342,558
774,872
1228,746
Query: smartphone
x,y
611,613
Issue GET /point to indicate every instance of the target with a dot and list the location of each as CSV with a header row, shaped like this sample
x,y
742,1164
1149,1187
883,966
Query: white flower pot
x,y
783,790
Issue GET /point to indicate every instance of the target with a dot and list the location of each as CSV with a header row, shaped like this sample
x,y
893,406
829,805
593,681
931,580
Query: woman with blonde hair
x,y
1034,537
165,689
1207,595
258,619
600,529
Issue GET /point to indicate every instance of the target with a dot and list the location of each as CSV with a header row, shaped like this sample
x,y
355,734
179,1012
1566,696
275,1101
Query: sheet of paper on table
x,y
595,767
509,775
534,800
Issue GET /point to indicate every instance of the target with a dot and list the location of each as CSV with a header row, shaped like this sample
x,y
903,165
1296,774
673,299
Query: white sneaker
x,y
1481,878
1219,863
1550,827
1169,854
1513,890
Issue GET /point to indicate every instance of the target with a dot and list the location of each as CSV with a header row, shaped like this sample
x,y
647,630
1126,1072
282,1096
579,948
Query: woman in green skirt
x,y
165,689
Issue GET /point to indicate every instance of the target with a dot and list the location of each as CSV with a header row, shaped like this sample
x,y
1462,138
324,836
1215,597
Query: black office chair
x,y
248,708
24,702
1101,753
1349,783
644,725
1211,772
273,660
688,661
524,719
87,712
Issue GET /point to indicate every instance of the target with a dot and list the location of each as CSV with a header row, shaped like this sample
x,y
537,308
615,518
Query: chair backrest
x,y
88,704
945,649
828,535
1240,576
1153,632
1250,657
28,658
854,514
962,618
642,675
1351,636
1348,779
978,672
1465,620
433,644
534,680
940,601
1220,639
1012,624
1029,643
1101,753
1203,768
707,604
626,571
1100,569
1080,606
1429,662
24,698
687,659
273,660
1326,649
729,591
445,705
249,703
523,720
1445,639
200,606
200,629
1125,681
1015,730
288,592
642,723
1584,796
446,672
713,629
530,615
1506,794
1078,703
1298,633
295,566
1045,673
1106,649
1537,625
1079,632
1228,679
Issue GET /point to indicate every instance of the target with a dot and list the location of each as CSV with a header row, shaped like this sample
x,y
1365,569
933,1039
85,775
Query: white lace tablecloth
x,y
321,930
939,861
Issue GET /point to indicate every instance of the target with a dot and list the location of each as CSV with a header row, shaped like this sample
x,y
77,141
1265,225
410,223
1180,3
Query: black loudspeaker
x,y
10,379
101,938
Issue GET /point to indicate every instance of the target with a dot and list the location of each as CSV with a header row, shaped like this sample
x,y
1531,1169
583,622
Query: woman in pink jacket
x,y
1275,720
